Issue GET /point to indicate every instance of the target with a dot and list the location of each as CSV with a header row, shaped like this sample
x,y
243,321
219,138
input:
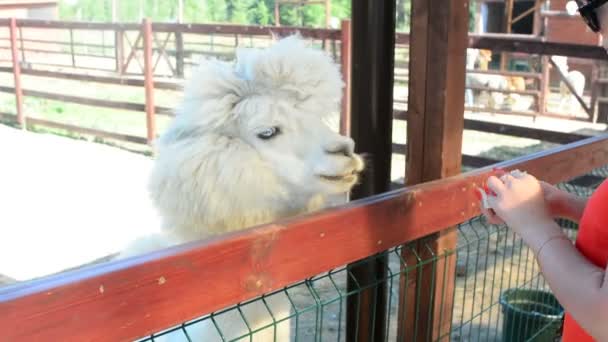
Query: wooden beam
x,y
507,22
531,45
231,267
435,124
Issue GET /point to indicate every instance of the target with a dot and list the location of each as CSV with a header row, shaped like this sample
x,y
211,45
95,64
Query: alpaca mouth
x,y
340,178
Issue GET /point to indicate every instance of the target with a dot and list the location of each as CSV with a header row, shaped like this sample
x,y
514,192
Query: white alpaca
x,y
250,145
482,98
577,80
493,99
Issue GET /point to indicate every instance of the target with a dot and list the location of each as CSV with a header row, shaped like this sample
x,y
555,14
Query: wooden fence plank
x,y
139,107
126,81
77,129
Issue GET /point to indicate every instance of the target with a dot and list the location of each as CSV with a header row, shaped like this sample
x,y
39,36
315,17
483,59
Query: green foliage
x,y
253,12
258,12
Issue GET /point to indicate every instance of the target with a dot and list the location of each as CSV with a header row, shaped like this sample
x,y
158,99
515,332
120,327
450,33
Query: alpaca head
x,y
251,140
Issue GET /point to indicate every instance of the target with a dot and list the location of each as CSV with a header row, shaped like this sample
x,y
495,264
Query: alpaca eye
x,y
268,133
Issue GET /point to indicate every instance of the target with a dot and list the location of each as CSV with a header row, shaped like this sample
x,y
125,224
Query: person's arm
x,y
580,286
563,204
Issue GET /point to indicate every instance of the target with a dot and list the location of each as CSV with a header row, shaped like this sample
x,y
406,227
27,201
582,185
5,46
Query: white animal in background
x,y
483,98
250,144
493,99
577,80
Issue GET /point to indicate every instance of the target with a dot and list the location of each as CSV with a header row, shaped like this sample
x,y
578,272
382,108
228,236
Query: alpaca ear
x,y
211,93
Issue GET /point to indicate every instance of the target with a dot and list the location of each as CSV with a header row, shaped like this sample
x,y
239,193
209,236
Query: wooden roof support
x,y
508,23
435,123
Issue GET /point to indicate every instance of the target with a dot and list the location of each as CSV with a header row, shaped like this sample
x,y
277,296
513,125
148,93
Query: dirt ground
x,y
66,202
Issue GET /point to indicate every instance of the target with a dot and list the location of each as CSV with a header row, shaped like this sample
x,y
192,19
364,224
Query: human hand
x,y
560,204
518,199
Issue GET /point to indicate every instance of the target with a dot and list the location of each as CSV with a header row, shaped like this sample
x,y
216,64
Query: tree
x,y
237,11
260,14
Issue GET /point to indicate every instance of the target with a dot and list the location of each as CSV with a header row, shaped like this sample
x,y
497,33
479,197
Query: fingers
x,y
486,210
507,179
496,185
491,216
518,174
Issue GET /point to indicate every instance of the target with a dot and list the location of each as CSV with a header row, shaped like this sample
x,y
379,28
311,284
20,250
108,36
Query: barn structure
x,y
546,20
29,9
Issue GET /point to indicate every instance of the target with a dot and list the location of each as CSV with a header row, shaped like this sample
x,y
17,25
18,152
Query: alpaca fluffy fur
x,y
214,173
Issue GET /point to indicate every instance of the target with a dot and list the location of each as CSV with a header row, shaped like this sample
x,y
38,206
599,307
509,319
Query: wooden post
x,y
17,74
508,20
435,123
544,85
179,54
119,51
536,30
72,48
22,44
345,56
149,81
594,90
373,53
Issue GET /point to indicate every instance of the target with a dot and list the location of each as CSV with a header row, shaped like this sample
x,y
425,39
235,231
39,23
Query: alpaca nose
x,y
345,148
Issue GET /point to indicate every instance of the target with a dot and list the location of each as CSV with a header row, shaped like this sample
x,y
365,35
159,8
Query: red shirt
x,y
592,242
